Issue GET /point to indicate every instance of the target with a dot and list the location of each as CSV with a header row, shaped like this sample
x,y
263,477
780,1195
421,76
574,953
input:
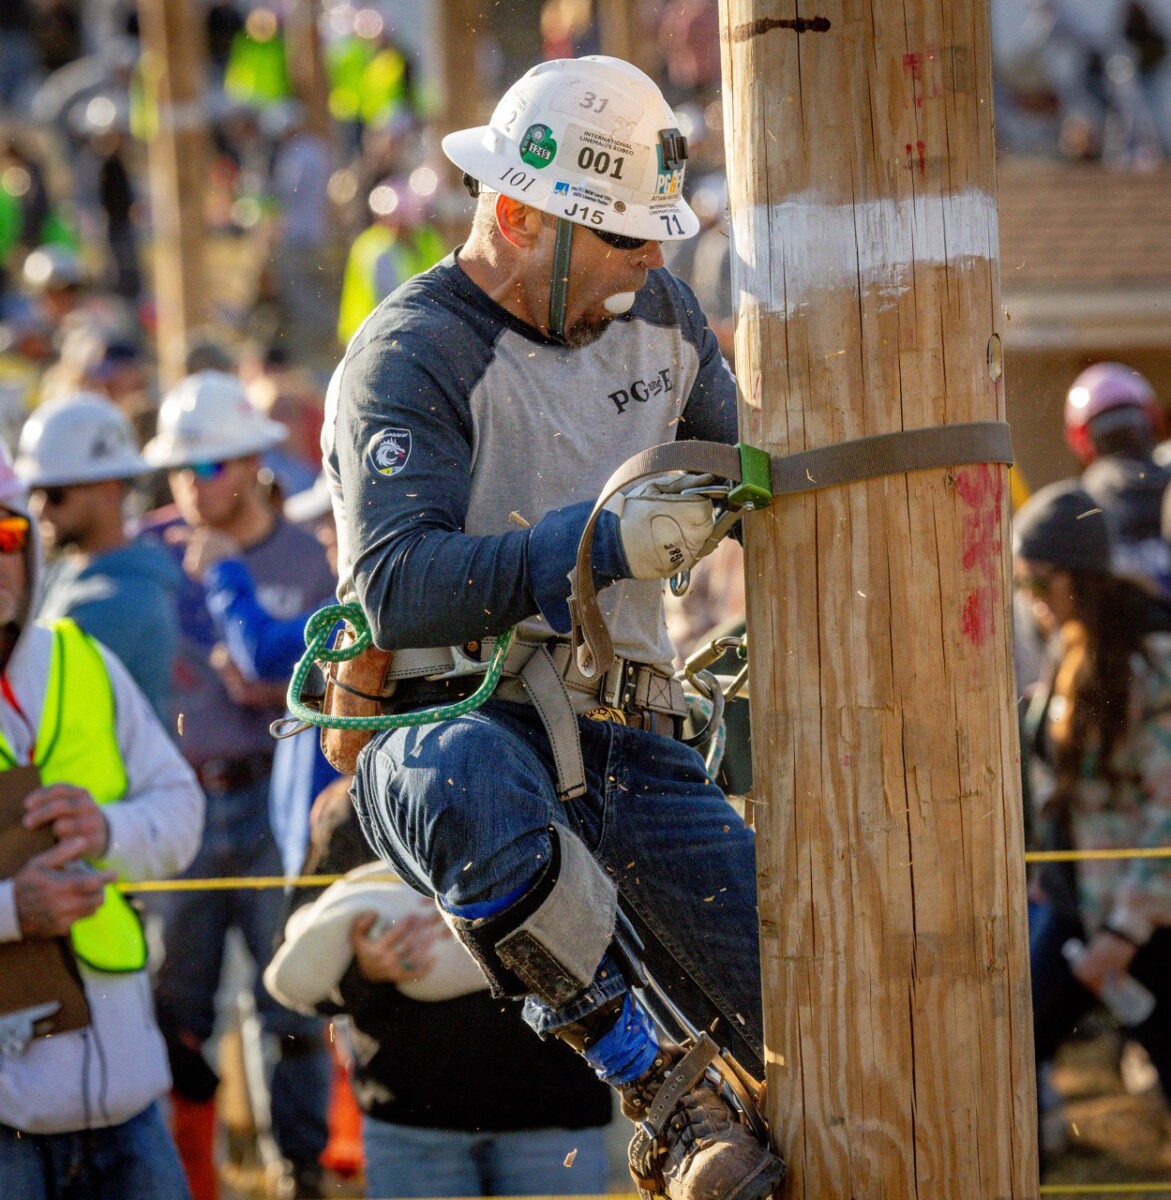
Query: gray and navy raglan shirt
x,y
465,452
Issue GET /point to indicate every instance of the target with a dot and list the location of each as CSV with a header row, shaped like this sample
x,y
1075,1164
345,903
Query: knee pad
x,y
550,942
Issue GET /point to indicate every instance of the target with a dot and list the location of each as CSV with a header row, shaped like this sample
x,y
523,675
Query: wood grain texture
x,y
178,152
888,809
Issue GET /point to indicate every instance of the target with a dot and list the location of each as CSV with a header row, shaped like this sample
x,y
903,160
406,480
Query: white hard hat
x,y
79,438
588,139
311,504
13,491
208,418
52,266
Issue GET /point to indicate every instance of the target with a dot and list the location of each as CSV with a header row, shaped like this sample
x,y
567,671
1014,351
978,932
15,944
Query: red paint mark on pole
x,y
913,65
981,490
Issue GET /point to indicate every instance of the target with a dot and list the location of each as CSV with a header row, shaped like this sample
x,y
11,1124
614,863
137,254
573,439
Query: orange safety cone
x,y
194,1127
343,1152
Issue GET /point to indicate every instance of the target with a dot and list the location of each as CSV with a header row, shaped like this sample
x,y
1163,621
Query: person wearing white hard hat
x,y
95,792
469,429
209,441
78,457
263,646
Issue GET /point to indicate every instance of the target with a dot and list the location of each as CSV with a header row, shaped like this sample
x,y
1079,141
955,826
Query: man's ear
x,y
519,223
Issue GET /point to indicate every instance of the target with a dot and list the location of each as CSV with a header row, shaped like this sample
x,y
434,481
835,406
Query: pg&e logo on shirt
x,y
389,451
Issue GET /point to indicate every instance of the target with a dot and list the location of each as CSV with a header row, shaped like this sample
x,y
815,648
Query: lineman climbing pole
x,y
891,872
174,53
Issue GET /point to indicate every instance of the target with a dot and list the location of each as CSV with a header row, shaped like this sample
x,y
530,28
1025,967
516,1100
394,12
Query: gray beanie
x,y
1064,526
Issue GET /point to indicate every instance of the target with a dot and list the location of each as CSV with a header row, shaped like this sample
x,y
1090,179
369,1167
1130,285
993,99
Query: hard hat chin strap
x,y
559,285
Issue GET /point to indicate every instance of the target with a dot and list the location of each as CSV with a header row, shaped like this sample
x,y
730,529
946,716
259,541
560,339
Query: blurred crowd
x,y
188,531
1084,79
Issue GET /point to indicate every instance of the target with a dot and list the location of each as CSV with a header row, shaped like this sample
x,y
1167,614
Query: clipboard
x,y
36,971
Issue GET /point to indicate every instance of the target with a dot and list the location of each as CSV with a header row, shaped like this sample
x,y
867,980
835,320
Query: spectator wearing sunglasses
x,y
79,457
111,799
209,441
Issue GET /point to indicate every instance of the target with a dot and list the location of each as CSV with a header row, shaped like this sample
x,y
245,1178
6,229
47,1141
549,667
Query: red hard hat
x,y
1098,389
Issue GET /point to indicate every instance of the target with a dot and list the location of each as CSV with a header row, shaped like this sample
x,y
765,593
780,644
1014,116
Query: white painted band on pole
x,y
803,247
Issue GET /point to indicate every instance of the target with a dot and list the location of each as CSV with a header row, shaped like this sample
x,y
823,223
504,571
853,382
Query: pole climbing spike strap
x,y
805,471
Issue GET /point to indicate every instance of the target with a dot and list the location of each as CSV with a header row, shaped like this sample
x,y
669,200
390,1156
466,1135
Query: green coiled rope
x,y
317,650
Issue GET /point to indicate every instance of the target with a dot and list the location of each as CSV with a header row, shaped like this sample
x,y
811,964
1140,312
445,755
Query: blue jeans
x,y
136,1158
462,810
404,1161
237,841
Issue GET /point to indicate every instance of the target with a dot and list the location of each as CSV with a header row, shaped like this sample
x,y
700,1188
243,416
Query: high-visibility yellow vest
x,y
77,743
345,60
419,251
257,70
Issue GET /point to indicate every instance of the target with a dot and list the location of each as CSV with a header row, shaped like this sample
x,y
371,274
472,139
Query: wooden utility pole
x,y
887,781
623,33
173,61
306,61
461,25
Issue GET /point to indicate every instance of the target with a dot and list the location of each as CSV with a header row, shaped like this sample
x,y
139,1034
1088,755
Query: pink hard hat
x,y
1098,389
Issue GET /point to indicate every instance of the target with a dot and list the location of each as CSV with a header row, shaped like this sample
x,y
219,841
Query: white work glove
x,y
663,532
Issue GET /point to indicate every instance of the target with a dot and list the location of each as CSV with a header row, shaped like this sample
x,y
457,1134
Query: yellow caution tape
x,y
228,883
274,881
1099,1189
1041,856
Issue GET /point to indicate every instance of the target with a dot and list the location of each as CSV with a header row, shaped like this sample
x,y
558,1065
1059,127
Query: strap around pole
x,y
808,470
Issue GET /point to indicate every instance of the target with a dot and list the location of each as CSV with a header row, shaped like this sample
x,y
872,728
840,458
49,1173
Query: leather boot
x,y
690,1144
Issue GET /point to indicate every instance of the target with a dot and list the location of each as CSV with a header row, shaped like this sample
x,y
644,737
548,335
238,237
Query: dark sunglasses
x,y
211,470
1039,585
618,240
13,534
55,494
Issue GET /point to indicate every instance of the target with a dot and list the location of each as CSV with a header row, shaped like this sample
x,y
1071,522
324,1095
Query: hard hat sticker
x,y
624,167
389,450
582,192
516,106
607,110
668,180
538,146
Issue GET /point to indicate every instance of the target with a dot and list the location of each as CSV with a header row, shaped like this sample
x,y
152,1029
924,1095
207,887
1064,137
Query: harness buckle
x,y
603,712
616,690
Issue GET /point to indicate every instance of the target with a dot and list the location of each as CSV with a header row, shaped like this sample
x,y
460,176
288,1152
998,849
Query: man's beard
x,y
62,539
586,330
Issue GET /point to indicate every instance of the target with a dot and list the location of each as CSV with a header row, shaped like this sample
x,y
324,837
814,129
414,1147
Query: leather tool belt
x,y
544,674
356,687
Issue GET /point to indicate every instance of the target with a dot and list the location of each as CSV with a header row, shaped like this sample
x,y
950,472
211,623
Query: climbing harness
x,y
551,672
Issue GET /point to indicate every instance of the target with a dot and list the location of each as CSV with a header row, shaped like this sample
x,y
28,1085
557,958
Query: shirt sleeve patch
x,y
389,450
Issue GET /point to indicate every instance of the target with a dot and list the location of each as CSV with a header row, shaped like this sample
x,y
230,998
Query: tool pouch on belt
x,y
358,687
